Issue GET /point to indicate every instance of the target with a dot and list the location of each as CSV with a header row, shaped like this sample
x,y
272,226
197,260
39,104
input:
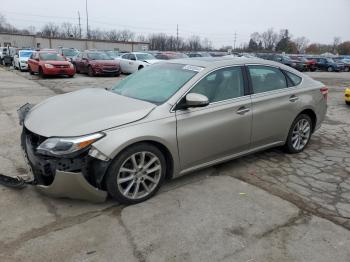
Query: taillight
x,y
324,92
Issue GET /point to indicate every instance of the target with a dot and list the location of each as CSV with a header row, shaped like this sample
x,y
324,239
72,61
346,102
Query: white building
x,y
32,41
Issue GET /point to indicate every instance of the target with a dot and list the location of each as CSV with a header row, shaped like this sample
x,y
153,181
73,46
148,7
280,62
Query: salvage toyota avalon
x,y
164,121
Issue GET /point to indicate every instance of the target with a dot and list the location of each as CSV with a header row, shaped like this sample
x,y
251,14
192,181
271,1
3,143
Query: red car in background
x,y
51,63
96,63
310,64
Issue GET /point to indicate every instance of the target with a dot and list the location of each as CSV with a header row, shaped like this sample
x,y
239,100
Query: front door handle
x,y
293,98
242,110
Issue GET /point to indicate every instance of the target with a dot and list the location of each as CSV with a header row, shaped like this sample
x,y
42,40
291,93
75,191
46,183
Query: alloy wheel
x,y
301,134
139,175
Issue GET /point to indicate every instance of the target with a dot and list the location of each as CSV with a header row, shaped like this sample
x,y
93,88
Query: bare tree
x,y
336,43
301,43
127,35
67,30
96,34
256,37
50,30
269,39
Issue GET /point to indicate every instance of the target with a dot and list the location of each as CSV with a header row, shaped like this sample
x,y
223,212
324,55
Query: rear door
x,y
275,104
220,129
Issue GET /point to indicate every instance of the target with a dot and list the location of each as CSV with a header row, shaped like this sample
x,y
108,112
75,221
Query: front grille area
x,y
61,66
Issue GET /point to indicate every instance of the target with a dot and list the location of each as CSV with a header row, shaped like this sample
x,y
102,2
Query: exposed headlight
x,y
57,146
23,61
49,66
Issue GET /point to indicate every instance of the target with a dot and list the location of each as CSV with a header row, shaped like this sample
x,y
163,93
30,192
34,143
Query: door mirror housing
x,y
196,100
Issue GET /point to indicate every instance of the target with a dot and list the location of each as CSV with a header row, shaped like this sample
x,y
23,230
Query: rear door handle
x,y
242,110
293,98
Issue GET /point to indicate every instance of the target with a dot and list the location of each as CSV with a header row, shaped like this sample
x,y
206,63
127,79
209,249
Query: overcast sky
x,y
318,20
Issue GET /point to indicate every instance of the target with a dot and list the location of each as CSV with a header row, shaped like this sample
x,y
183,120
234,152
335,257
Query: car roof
x,y
214,62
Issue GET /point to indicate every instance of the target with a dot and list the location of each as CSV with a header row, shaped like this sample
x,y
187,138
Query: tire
x,y
139,185
330,69
347,69
41,73
117,74
30,71
70,76
301,131
90,72
76,69
140,67
347,102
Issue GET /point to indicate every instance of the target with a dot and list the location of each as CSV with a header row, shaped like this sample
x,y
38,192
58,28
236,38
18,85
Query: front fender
x,y
162,131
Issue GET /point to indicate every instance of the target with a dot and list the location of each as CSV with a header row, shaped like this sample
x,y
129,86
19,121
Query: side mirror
x,y
196,100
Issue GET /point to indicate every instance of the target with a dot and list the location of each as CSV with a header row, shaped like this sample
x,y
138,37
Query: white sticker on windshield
x,y
193,68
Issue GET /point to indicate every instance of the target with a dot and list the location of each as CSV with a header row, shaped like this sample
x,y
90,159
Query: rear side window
x,y
265,79
296,80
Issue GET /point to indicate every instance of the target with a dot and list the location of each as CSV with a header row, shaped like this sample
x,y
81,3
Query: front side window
x,y
155,84
223,84
265,79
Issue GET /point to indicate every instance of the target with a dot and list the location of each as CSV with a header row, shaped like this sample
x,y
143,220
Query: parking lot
x,y
296,205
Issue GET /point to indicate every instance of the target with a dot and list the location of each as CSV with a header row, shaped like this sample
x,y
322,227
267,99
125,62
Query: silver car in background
x,y
165,121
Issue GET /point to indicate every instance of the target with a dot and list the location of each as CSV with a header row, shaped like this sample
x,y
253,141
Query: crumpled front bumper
x,y
74,186
76,177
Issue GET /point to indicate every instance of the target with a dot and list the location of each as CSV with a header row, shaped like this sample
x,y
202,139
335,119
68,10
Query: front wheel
x,y
330,69
30,71
91,71
136,174
299,134
41,73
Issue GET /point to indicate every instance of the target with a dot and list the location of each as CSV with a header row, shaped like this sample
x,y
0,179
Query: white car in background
x,y
20,60
132,62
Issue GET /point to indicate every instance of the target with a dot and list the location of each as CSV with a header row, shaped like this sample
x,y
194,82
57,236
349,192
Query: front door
x,y
220,129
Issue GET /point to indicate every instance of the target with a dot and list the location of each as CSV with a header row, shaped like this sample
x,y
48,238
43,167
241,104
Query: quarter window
x,y
223,84
296,80
265,79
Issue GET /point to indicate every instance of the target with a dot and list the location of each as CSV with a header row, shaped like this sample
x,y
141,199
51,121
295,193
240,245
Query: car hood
x,y
84,112
21,58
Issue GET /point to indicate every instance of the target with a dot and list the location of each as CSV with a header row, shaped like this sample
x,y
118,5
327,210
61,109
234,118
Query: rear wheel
x,y
140,67
347,69
136,174
330,69
299,134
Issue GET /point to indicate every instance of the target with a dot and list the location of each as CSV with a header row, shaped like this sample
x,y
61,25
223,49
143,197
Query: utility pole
x,y
234,43
79,25
177,37
87,20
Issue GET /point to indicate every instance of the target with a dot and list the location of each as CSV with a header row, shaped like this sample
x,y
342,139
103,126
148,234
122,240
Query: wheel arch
x,y
164,149
311,113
